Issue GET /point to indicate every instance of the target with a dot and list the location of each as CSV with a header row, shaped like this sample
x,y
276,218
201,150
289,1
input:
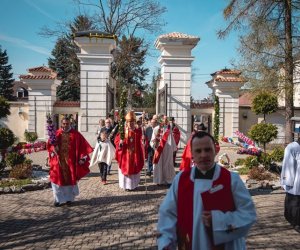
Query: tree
x,y
264,103
7,139
6,80
65,61
4,108
263,133
149,98
126,17
269,42
128,65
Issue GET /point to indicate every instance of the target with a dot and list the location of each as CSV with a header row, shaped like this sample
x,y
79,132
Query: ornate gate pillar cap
x,y
94,33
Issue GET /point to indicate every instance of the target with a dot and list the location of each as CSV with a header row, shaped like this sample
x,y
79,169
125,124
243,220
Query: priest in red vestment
x,y
130,154
69,162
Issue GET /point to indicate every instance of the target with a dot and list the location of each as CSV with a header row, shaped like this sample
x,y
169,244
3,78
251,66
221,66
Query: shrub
x,y
28,161
30,136
4,107
7,138
17,183
14,158
277,154
264,103
2,166
260,174
244,171
265,160
251,161
263,133
239,162
21,171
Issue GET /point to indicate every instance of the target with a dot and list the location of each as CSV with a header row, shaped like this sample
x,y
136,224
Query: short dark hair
x,y
65,118
202,126
201,134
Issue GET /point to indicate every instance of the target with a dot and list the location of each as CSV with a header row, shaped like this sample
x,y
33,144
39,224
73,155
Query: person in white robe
x,y
163,143
290,181
103,154
210,228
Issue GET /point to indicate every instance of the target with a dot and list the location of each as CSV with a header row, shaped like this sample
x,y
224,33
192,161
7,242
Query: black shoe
x,y
56,204
69,203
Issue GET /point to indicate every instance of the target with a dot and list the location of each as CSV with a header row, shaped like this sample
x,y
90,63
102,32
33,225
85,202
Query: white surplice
x,y
241,219
130,182
63,194
103,152
290,173
163,171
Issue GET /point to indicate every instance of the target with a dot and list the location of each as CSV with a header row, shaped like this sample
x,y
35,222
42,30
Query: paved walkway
x,y
105,217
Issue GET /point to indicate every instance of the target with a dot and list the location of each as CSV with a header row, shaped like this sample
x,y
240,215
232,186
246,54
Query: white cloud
x,y
40,10
24,44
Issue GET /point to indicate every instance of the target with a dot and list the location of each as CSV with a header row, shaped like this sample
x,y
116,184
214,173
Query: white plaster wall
x,y
17,122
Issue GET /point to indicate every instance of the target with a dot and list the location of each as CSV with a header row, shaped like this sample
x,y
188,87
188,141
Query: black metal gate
x,y
109,98
163,100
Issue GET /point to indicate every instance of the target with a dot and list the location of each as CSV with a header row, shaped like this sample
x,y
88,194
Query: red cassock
x,y
176,135
65,169
131,155
186,159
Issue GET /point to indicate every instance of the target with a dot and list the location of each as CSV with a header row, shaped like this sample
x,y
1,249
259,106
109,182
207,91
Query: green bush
x,y
265,159
239,162
277,154
260,174
7,138
2,166
251,161
17,183
4,107
30,136
13,159
244,171
28,161
21,171
263,133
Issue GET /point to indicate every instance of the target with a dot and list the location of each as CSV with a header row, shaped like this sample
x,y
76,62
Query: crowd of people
x,y
152,140
206,206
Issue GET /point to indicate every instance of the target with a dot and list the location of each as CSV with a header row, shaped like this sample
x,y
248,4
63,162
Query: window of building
x,y
21,93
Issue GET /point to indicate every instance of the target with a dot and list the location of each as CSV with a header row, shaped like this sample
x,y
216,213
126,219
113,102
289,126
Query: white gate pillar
x,y
226,84
176,60
95,59
42,84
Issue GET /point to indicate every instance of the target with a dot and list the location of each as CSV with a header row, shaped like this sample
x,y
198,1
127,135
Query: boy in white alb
x,y
103,154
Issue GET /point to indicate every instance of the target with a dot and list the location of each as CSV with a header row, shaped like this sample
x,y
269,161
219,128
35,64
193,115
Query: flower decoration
x,y
51,131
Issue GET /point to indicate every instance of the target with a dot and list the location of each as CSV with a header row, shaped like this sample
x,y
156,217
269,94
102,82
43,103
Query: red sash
x,y
161,146
185,203
221,199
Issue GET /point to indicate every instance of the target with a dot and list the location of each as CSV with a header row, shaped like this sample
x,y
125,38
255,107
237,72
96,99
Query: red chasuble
x,y
131,155
65,169
216,198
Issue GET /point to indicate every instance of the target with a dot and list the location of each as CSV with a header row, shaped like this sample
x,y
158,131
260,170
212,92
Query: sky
x,y
22,20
